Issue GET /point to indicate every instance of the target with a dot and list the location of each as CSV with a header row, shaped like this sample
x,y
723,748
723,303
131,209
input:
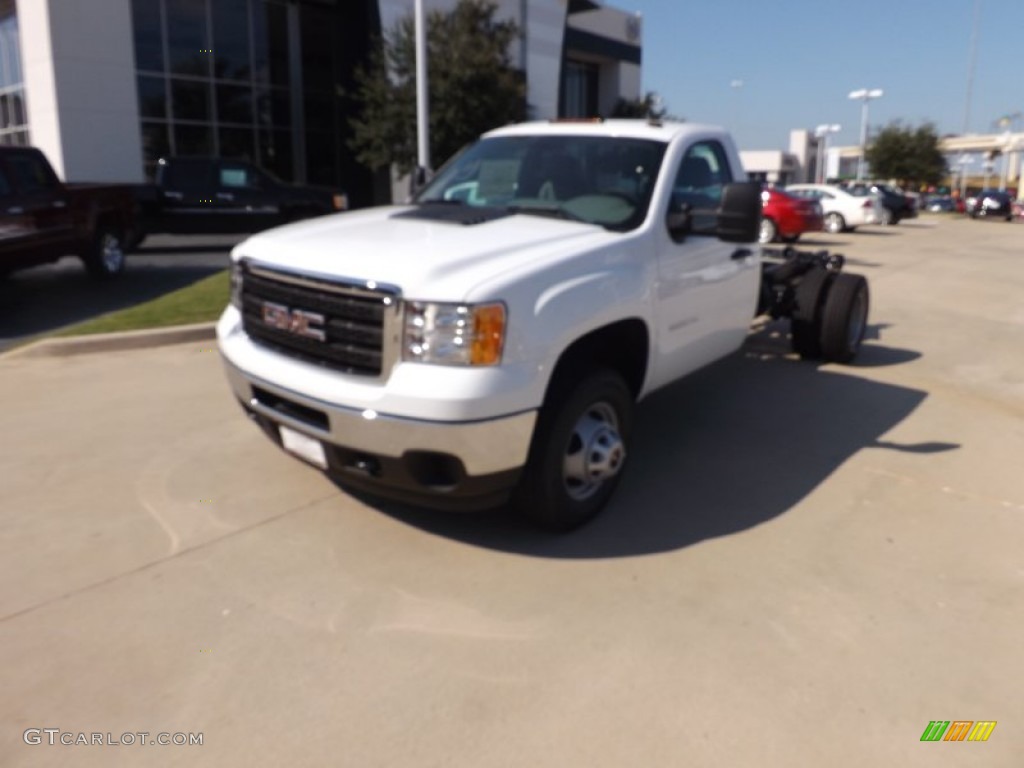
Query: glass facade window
x,y
13,114
580,89
190,99
231,45
148,31
152,96
234,104
222,78
188,37
193,139
270,42
238,142
213,78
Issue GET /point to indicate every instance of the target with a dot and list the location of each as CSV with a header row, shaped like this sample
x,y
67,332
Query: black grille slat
x,y
353,321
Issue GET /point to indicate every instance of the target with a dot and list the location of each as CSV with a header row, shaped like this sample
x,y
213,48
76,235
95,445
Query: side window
x,y
703,172
237,177
29,172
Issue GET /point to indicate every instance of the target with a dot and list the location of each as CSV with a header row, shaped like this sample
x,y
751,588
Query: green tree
x,y
910,155
472,86
648,106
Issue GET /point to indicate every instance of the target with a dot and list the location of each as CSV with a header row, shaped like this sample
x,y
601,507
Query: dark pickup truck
x,y
42,219
208,195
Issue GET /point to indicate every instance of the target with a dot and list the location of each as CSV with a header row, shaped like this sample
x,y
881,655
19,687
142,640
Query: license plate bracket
x,y
306,448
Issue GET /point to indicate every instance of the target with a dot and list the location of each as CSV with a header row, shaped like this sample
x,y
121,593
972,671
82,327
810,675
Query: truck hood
x,y
429,258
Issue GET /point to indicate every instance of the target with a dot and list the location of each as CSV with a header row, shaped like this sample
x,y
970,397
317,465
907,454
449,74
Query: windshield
x,y
600,180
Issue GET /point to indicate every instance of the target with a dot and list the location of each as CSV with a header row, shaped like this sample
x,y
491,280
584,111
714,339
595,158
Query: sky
x,y
799,59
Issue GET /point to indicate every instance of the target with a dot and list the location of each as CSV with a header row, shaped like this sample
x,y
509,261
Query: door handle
x,y
741,253
225,196
59,204
16,209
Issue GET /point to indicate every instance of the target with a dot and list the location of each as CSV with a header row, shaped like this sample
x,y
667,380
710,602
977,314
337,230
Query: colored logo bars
x,y
958,730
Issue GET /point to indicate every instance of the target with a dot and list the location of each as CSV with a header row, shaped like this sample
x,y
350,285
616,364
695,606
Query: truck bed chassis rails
x,y
827,307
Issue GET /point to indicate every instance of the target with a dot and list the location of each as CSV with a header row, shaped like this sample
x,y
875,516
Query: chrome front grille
x,y
348,327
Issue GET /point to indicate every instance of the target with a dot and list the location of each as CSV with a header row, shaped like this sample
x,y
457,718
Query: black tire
x,y
106,256
835,223
844,318
790,238
768,232
595,416
805,323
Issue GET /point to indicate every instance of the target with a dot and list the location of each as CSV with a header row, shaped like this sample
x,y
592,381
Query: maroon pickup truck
x,y
42,219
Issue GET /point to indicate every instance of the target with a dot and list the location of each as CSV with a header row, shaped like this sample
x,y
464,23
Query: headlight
x,y
236,284
453,334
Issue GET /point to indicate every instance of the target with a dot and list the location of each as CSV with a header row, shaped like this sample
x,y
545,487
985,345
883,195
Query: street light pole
x,y
821,133
864,95
422,115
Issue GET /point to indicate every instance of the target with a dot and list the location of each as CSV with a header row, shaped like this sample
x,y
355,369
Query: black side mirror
x,y
739,215
679,221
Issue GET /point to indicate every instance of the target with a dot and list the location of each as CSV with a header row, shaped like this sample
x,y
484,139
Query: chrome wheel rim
x,y
111,253
594,452
767,231
833,223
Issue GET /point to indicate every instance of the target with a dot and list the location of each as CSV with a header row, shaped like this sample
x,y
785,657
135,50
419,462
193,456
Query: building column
x,y
79,67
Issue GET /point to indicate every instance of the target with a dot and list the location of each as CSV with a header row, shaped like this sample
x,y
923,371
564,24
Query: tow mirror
x,y
679,221
739,215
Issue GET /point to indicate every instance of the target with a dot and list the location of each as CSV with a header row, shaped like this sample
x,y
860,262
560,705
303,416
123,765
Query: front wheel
x,y
105,258
768,231
578,452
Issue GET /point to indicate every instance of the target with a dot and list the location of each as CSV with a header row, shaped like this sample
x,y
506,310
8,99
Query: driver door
x,y
706,292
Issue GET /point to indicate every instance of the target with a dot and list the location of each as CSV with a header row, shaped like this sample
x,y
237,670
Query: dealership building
x,y
106,87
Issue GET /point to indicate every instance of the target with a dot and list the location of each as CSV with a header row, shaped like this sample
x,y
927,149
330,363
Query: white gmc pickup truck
x,y
486,342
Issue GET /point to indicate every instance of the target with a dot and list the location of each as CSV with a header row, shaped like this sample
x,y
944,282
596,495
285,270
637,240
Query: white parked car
x,y
843,212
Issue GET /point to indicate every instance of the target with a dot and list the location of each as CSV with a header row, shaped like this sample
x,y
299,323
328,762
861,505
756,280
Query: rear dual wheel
x,y
830,317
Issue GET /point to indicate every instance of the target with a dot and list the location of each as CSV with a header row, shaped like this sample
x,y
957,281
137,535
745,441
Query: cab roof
x,y
635,129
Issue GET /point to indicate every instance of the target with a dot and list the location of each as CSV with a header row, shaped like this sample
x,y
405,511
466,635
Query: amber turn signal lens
x,y
488,334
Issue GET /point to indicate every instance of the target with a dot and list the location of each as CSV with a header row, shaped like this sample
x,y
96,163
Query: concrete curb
x,y
111,342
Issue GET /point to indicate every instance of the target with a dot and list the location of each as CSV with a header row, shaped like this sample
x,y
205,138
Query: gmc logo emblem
x,y
297,321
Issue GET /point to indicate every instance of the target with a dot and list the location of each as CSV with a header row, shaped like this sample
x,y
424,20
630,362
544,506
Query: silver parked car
x,y
843,212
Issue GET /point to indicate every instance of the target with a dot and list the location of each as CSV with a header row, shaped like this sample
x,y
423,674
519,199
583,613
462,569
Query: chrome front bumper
x,y
484,447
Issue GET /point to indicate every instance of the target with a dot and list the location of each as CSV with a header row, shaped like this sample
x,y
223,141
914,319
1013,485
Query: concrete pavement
x,y
803,567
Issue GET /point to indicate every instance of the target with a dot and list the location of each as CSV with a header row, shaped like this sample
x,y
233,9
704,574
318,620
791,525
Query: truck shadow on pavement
x,y
730,447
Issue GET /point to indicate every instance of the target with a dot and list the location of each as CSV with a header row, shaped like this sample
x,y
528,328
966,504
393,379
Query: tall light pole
x,y
864,95
422,107
821,133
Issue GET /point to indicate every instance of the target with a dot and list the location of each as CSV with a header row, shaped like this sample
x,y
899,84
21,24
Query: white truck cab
x,y
488,340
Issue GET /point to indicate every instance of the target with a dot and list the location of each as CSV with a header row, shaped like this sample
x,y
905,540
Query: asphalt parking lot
x,y
803,566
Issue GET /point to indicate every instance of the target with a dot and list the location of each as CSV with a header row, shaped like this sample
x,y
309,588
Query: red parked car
x,y
785,217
